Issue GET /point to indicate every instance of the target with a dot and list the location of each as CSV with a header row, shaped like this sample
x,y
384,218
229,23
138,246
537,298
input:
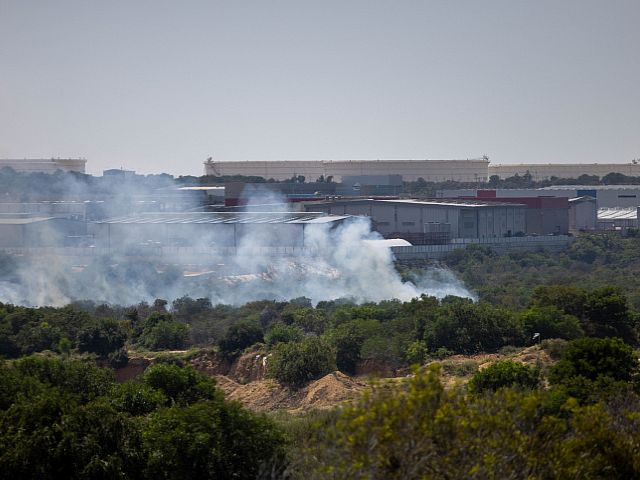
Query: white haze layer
x,y
334,263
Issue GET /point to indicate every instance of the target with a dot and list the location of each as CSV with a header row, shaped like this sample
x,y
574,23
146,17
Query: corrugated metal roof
x,y
617,213
23,220
228,217
452,202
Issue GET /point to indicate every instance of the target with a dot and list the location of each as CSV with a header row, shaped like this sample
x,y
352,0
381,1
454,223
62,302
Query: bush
x,y
550,322
592,367
211,439
296,364
238,337
281,333
505,374
102,337
166,335
182,385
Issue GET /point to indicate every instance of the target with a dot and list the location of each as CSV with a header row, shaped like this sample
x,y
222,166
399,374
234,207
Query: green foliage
x,y
238,337
550,322
505,374
102,337
210,439
417,352
469,328
166,335
424,431
137,399
280,333
63,418
591,367
181,385
296,364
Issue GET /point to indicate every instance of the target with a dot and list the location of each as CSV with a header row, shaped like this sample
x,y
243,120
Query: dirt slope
x,y
267,395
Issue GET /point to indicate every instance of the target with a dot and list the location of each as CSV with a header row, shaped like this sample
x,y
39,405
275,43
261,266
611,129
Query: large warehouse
x,y
24,230
209,229
470,170
607,196
431,220
45,165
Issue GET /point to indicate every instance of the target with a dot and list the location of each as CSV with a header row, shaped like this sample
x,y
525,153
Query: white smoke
x,y
330,263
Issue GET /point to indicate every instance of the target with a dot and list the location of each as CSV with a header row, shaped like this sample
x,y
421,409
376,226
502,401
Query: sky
x,y
159,86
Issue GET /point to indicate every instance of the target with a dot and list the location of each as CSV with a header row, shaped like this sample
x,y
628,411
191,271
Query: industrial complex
x,y
469,170
45,165
281,214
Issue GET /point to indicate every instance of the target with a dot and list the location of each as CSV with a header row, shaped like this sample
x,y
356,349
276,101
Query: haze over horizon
x,y
160,86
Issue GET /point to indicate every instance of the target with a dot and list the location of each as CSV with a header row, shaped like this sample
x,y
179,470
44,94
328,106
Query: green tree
x,y
211,439
550,322
238,337
102,337
296,364
505,374
592,367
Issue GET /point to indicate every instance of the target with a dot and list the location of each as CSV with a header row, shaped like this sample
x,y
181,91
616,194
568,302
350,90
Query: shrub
x,y
281,333
182,385
505,374
238,337
550,322
102,337
593,367
166,335
295,364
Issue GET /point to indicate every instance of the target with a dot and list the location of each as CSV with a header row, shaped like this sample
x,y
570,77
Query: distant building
x,y
470,170
617,218
583,213
611,196
46,165
208,229
119,174
20,231
433,221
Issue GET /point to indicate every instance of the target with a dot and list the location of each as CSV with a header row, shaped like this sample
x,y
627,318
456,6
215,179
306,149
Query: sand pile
x,y
268,395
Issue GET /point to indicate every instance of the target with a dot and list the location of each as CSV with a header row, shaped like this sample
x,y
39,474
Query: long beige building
x,y
545,171
45,165
470,170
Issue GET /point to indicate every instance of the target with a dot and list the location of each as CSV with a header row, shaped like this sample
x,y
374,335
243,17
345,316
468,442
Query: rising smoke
x,y
335,263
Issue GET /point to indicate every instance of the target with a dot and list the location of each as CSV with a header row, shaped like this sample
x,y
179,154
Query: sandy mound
x,y
268,395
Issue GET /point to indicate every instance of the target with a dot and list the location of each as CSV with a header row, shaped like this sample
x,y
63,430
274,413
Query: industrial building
x,y
546,171
211,229
470,170
59,209
583,213
45,165
546,215
20,231
433,221
607,196
617,218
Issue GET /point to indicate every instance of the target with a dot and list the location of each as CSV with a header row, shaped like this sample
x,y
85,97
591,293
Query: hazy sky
x,y
161,85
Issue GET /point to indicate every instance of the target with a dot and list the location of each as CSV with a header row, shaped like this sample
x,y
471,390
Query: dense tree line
x,y
65,418
504,426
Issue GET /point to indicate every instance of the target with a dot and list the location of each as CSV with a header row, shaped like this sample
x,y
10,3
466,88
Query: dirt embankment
x,y
268,395
245,379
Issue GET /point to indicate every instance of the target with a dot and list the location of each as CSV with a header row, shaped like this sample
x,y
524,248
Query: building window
x,y
408,224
